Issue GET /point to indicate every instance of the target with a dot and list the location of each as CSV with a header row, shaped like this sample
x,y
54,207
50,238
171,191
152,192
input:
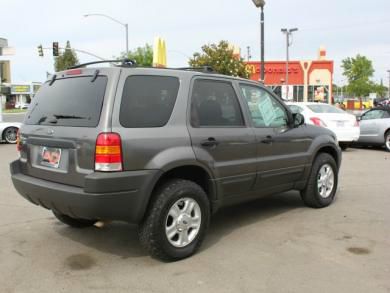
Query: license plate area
x,y
340,123
50,157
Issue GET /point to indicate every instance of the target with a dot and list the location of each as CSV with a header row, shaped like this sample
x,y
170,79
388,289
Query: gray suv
x,y
165,148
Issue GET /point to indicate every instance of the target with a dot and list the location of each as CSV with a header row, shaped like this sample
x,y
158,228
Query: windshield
x,y
325,109
68,102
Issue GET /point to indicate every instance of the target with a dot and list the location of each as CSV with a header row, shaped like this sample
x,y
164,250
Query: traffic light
x,y
40,51
55,49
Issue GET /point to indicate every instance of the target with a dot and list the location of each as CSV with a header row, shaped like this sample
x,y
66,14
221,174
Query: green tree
x,y
380,89
220,57
67,59
358,71
142,55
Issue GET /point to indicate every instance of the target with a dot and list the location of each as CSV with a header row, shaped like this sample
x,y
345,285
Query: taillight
x,y
108,152
18,145
73,72
317,121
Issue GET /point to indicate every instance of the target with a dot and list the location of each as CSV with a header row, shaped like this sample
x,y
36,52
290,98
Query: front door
x,y
282,150
370,124
220,137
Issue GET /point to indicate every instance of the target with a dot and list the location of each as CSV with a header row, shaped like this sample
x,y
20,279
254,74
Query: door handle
x,y
210,142
268,139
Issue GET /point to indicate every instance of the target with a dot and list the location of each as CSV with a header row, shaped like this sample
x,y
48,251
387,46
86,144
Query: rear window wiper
x,y
58,116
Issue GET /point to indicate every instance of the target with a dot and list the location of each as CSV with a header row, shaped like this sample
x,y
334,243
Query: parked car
x,y
9,131
21,105
164,149
375,127
343,124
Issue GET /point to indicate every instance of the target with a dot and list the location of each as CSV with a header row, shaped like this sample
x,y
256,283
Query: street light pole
x,y
288,33
260,4
389,83
117,21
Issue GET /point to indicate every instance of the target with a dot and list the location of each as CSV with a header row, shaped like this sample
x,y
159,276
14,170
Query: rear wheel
x,y
322,184
10,134
344,145
73,222
176,221
387,141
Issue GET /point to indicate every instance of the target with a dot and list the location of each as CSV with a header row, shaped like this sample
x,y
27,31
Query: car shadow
x,y
121,239
233,218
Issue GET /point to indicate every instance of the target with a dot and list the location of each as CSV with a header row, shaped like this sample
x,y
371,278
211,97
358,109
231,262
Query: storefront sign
x,y
20,89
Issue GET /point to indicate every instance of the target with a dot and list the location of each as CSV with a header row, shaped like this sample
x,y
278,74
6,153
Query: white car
x,y
9,130
343,124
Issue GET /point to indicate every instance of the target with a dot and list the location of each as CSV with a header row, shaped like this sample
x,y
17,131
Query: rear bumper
x,y
106,196
347,135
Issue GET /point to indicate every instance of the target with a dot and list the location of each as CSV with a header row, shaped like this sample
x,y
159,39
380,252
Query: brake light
x,y
317,121
108,152
73,72
18,145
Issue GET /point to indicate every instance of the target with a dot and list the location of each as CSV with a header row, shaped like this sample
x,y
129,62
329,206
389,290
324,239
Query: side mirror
x,y
298,119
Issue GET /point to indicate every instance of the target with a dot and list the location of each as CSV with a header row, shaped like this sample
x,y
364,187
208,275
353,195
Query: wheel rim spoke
x,y
325,181
183,222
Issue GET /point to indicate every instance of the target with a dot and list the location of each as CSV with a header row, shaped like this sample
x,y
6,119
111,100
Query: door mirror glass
x,y
298,119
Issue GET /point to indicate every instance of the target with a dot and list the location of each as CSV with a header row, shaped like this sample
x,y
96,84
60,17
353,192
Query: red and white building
x,y
308,80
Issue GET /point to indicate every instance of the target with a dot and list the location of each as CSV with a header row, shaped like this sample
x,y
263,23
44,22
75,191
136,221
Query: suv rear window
x,y
148,101
75,102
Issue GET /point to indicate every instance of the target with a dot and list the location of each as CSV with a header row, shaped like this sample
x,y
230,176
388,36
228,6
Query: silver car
x,y
375,127
9,130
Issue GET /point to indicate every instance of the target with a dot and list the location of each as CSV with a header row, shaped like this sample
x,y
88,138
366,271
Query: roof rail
x,y
205,69
124,63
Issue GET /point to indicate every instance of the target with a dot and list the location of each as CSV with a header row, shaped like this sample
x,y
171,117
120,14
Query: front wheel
x,y
387,141
322,184
176,221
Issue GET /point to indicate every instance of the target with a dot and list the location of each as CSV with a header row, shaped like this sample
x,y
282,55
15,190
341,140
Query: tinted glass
x,y
214,103
265,110
295,109
148,101
373,114
324,109
68,102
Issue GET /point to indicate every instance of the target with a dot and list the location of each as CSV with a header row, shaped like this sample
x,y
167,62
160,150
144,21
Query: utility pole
x,y
288,33
389,85
248,53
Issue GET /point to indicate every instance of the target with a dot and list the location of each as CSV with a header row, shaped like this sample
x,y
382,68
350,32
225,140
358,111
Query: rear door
x,y
60,129
220,137
282,151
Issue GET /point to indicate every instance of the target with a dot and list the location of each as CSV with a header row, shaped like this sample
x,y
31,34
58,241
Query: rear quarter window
x,y
148,101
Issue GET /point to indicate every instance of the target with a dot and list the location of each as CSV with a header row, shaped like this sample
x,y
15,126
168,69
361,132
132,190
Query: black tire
x,y
75,223
152,230
310,195
344,146
10,134
387,141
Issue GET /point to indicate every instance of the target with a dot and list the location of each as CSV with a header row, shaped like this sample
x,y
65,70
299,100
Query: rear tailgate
x,y
64,120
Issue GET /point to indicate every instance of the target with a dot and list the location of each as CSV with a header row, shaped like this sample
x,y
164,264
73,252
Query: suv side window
x,y
148,101
265,110
215,104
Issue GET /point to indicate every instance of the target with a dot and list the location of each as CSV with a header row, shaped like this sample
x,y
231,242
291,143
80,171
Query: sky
x,y
344,27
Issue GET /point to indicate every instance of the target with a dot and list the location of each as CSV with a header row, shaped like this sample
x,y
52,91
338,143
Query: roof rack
x,y
124,63
205,69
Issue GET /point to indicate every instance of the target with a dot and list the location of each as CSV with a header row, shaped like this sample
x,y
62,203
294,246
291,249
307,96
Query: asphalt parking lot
x,y
270,245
